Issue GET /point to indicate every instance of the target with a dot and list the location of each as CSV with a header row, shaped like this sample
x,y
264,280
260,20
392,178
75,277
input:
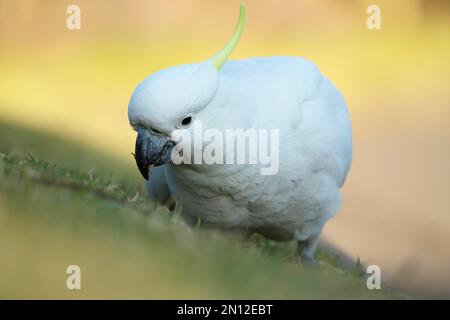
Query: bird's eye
x,y
186,121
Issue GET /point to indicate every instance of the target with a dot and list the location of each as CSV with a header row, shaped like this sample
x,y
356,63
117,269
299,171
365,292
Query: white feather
x,y
286,93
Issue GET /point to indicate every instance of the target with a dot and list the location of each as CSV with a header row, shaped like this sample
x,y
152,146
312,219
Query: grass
x,y
63,204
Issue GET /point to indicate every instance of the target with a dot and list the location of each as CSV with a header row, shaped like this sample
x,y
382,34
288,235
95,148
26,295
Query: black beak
x,y
151,150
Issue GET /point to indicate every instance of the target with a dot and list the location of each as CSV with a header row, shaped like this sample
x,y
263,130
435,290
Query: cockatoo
x,y
286,93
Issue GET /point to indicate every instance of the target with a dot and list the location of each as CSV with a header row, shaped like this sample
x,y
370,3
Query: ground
x,y
63,204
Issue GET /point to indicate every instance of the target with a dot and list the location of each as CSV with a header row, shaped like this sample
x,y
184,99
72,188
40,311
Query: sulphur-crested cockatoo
x,y
285,93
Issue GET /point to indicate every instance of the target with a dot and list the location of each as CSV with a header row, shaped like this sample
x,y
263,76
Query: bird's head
x,y
170,99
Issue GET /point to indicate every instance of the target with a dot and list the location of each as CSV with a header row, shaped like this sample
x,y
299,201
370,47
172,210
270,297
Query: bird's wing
x,y
327,126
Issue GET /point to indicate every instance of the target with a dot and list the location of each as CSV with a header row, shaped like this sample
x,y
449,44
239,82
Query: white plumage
x,y
285,93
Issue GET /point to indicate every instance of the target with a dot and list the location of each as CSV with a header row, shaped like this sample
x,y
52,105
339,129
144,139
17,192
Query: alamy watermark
x,y
229,146
374,19
373,280
73,281
73,21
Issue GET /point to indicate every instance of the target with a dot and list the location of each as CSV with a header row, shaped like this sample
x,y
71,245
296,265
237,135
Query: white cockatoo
x,y
285,93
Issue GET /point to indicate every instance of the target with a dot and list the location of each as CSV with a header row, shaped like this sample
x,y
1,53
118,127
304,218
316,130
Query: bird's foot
x,y
306,249
309,262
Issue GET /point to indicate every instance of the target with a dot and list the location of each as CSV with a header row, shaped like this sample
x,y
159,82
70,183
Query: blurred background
x,y
75,84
